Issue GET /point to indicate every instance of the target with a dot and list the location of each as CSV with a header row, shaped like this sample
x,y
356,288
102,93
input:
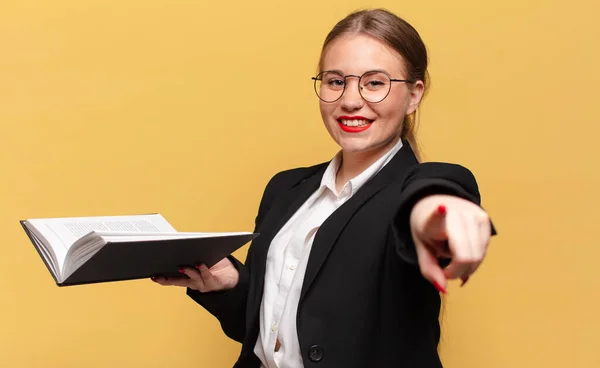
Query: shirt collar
x,y
354,184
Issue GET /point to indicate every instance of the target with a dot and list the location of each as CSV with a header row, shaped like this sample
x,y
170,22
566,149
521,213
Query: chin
x,y
355,147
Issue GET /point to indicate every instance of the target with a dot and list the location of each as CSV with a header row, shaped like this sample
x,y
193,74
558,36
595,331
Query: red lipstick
x,y
354,129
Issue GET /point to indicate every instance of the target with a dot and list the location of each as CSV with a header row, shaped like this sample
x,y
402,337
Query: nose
x,y
352,100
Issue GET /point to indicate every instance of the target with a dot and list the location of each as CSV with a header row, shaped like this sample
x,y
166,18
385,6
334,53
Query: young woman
x,y
353,252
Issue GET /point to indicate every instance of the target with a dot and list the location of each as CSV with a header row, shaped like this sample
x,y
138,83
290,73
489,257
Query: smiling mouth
x,y
354,125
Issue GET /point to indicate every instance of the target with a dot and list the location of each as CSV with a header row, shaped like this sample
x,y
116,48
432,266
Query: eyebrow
x,y
368,71
381,71
333,71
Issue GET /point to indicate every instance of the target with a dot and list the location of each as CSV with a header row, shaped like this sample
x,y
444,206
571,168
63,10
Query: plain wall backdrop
x,y
188,108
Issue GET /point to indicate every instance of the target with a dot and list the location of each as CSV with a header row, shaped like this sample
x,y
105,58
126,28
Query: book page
x,y
48,254
61,233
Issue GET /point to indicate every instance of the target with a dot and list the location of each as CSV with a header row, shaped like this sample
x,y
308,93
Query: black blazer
x,y
364,302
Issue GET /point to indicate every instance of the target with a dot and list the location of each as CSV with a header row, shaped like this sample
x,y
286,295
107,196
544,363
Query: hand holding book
x,y
222,276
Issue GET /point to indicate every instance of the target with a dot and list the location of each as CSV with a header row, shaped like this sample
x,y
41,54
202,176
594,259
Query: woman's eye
x,y
336,82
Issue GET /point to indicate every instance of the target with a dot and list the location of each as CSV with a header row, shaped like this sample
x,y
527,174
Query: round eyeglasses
x,y
373,86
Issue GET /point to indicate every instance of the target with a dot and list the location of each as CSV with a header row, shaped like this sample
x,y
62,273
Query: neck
x,y
354,163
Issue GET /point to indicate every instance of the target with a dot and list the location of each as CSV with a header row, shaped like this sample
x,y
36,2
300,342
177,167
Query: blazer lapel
x,y
283,209
330,230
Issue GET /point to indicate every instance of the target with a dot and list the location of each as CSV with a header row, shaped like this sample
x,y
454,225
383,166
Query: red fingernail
x,y
181,270
153,278
439,287
441,209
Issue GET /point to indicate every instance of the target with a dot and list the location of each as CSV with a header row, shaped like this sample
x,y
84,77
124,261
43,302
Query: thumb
x,y
207,276
430,268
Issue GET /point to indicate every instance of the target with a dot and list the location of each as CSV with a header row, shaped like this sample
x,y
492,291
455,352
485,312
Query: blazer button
x,y
315,353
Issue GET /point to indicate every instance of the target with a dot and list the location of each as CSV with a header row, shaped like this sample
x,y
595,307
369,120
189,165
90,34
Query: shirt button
x,y
292,267
274,327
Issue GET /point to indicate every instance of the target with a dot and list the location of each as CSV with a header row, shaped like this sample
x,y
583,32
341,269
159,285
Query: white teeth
x,y
355,122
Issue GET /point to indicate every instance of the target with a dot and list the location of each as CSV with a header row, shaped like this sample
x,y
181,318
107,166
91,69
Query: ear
x,y
416,93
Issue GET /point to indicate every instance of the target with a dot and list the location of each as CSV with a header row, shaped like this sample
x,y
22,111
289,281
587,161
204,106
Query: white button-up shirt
x,y
286,264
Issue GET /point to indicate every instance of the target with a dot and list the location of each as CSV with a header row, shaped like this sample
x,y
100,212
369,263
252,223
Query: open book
x,y
83,250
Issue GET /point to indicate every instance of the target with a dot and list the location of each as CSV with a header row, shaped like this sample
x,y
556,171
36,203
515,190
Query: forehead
x,y
356,54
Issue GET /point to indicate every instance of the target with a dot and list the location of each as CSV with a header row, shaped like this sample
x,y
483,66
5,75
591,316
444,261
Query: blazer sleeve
x,y
229,306
423,180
